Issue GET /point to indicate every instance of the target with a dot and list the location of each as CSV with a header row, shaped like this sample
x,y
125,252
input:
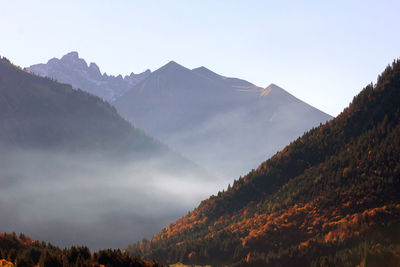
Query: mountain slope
x,y
74,70
330,198
40,113
72,171
225,124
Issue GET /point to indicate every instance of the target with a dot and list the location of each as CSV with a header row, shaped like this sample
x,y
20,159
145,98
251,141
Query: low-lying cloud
x,y
71,199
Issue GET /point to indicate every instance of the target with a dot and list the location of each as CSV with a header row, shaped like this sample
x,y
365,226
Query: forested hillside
x,y
330,198
22,251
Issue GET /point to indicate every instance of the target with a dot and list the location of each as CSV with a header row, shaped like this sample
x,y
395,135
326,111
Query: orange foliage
x,y
24,240
354,224
305,244
4,263
192,255
248,257
180,243
333,224
185,223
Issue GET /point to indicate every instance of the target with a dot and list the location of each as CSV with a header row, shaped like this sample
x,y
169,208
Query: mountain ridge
x,y
329,198
70,164
194,109
74,70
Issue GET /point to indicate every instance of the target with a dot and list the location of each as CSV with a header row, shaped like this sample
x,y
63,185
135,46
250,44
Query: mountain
x,y
40,113
330,198
75,71
226,124
73,171
205,116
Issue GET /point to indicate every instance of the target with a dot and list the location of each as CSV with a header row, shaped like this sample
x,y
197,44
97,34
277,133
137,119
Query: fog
x,y
70,199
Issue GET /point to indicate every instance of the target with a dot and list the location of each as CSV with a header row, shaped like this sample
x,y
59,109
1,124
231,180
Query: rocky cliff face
x,y
75,71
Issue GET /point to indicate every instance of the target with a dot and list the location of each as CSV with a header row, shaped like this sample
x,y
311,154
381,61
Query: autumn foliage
x,y
330,198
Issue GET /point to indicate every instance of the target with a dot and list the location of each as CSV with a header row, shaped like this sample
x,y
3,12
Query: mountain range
x,y
73,171
226,125
70,165
75,71
330,198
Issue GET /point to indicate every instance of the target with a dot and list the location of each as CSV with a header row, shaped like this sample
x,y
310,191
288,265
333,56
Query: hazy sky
x,y
323,52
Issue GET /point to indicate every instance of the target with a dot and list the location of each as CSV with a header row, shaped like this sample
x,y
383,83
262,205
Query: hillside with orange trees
x,y
330,198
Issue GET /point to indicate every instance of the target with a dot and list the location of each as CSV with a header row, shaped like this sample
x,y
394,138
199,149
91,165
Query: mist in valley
x,y
81,199
74,172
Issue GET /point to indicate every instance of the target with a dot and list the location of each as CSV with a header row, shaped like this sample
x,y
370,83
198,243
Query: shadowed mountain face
x,y
330,198
74,70
73,172
225,124
39,113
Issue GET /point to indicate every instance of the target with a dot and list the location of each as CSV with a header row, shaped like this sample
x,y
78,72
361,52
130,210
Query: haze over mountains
x,y
227,125
74,172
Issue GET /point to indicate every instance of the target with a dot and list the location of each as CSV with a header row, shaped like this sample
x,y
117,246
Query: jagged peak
x,y
93,65
71,55
73,58
53,60
94,69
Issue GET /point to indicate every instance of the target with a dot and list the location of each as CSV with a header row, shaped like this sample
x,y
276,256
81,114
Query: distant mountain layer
x,y
330,198
40,113
73,172
74,70
225,124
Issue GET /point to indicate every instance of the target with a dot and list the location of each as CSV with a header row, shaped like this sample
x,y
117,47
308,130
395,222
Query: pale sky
x,y
323,52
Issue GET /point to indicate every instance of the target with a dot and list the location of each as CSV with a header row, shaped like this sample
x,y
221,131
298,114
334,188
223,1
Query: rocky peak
x,y
71,56
74,70
94,70
73,59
